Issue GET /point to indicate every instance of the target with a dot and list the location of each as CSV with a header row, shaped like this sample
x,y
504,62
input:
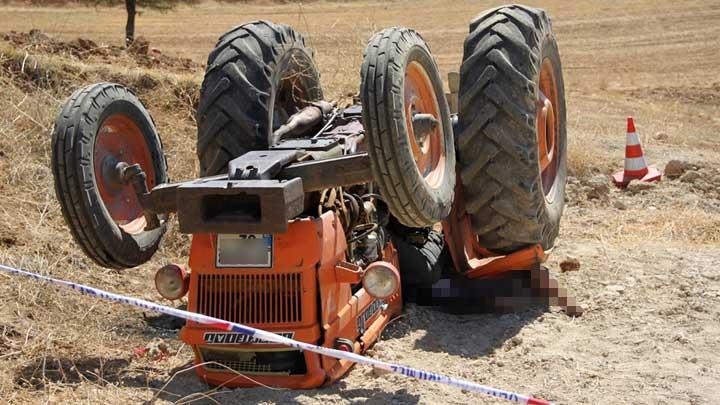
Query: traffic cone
x,y
635,166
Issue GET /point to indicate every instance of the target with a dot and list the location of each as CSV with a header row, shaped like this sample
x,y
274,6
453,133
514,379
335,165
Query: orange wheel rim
x,y
119,139
548,128
428,149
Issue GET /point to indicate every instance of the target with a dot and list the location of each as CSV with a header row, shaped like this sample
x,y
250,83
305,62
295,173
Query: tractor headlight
x,y
172,281
381,280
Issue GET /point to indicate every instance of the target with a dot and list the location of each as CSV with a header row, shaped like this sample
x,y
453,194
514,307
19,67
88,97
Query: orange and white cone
x,y
635,166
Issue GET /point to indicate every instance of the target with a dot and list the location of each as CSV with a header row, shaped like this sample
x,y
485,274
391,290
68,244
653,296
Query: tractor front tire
x,y
512,135
407,120
258,75
98,127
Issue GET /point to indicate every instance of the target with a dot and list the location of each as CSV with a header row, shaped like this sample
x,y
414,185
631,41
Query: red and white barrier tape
x,y
272,337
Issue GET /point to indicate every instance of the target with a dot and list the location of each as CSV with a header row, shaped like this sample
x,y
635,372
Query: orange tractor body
x,y
307,294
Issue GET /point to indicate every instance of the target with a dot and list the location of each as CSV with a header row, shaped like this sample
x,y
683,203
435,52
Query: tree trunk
x,y
130,26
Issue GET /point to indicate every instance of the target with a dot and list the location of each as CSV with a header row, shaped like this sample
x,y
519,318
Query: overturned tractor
x,y
310,219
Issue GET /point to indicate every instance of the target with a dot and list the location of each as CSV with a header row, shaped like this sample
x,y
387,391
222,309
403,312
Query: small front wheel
x,y
99,127
407,119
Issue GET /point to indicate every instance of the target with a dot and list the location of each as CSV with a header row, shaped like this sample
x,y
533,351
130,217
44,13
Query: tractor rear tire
x,y
258,75
513,177
415,172
97,127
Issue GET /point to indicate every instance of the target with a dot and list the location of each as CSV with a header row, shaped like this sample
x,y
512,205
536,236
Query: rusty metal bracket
x,y
490,266
349,273
335,172
269,204
239,206
311,144
260,164
136,177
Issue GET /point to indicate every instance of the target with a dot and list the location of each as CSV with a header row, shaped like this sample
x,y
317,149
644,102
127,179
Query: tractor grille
x,y
251,298
268,362
244,366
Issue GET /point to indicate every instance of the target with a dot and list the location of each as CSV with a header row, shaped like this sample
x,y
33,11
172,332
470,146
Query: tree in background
x,y
131,7
130,25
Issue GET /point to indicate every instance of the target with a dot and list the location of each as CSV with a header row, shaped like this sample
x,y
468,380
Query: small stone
x,y
598,187
616,288
377,372
157,349
570,264
676,168
693,360
690,177
679,337
619,205
661,136
515,341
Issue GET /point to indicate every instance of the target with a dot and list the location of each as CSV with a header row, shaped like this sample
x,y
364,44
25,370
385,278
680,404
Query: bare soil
x,y
648,275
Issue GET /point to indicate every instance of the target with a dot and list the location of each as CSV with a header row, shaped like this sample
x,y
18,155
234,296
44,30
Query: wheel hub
x,y
119,144
423,125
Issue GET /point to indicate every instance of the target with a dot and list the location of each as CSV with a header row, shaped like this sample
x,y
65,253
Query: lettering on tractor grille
x,y
251,298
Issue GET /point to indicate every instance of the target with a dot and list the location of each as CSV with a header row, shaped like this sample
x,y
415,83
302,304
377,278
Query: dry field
x,y
649,276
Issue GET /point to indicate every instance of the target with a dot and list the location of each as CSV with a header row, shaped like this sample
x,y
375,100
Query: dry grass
x,y
618,60
34,237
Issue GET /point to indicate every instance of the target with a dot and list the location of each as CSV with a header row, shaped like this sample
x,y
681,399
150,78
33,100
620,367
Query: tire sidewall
x,y
555,202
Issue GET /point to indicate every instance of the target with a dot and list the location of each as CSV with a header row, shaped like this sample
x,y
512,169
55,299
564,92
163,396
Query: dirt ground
x,y
648,279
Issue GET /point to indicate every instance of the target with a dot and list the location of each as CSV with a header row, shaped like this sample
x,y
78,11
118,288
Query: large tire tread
x,y
497,145
234,114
